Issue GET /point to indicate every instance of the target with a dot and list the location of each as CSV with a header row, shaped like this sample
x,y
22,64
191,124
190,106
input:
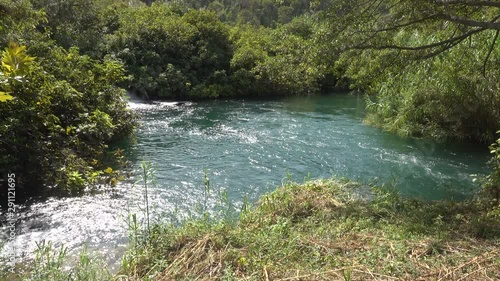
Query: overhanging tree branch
x,y
468,22
489,52
442,50
446,47
423,47
403,24
473,3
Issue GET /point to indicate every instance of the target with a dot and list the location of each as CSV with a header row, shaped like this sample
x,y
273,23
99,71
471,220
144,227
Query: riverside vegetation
x,y
429,69
332,229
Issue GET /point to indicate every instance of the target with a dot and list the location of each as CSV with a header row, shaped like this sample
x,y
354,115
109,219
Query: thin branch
x,y
489,52
444,49
423,47
488,25
468,3
402,25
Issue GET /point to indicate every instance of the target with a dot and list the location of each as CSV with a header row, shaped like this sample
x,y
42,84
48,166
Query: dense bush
x,y
427,76
492,184
276,62
268,13
62,112
81,23
193,55
17,22
447,96
173,56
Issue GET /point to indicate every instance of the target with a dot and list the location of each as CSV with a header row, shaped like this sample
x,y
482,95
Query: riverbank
x,y
321,230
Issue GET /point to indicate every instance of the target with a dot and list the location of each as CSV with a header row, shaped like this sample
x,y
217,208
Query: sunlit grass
x,y
320,230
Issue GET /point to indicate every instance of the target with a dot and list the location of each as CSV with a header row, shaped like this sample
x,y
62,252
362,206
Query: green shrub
x,y
492,183
63,113
167,55
444,96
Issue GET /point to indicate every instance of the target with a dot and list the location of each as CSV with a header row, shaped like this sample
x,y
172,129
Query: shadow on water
x,y
345,104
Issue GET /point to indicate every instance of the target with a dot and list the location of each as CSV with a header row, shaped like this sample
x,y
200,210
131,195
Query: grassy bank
x,y
321,230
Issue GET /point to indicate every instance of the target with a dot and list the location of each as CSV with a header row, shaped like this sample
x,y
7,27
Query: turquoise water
x,y
247,148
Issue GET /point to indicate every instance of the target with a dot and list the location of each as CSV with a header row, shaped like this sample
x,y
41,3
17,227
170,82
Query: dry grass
x,y
317,231
198,258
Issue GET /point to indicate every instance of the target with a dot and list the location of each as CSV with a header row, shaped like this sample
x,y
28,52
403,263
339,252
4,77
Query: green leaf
x,y
15,61
5,97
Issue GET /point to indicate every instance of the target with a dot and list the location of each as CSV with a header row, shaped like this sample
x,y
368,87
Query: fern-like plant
x,y
15,65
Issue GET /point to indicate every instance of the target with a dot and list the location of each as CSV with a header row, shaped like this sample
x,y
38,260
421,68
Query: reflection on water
x,y
247,147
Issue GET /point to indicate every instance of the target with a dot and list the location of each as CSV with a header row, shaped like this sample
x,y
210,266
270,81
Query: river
x,y
247,148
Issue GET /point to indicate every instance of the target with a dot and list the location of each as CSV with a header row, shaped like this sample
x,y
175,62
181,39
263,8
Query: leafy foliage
x,y
276,62
492,183
15,65
171,54
81,23
64,111
168,55
429,67
18,20
439,97
267,13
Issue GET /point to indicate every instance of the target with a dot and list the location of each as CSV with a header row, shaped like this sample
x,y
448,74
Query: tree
x,y
17,21
63,112
429,65
73,22
372,24
173,56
